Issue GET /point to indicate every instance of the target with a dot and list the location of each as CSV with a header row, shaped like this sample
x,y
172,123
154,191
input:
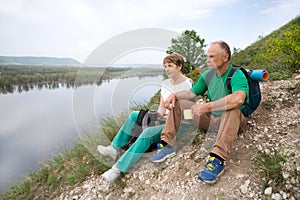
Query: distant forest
x,y
24,78
35,60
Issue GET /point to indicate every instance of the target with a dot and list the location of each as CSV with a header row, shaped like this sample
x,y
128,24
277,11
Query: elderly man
x,y
222,111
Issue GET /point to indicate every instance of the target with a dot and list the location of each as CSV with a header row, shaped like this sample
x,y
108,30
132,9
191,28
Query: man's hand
x,y
200,109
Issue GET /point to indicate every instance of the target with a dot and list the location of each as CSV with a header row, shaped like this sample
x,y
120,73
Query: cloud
x,y
281,7
75,28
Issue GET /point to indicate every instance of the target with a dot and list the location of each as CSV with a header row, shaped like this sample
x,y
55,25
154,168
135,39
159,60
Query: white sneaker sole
x,y
214,181
165,158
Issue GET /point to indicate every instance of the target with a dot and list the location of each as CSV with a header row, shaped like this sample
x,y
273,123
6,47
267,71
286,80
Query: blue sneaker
x,y
163,153
213,169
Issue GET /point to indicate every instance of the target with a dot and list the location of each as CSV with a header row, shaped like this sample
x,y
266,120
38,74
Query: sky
x,y
75,28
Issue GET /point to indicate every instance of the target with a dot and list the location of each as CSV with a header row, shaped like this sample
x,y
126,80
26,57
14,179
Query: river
x,y
36,124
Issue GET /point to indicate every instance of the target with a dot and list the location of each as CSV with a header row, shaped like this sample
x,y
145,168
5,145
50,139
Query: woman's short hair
x,y
175,58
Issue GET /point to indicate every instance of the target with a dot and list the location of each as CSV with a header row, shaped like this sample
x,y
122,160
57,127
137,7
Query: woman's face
x,y
172,70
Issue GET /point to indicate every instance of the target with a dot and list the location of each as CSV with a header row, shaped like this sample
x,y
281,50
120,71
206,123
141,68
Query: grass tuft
x,y
270,168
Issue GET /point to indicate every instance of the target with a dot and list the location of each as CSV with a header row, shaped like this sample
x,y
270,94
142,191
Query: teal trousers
x,y
149,136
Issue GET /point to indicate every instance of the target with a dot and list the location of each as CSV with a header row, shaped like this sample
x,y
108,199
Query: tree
x,y
236,50
191,47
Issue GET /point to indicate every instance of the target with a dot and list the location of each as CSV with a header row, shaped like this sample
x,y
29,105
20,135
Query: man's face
x,y
215,58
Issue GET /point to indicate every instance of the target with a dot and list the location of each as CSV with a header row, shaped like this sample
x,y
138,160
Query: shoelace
x,y
160,147
211,167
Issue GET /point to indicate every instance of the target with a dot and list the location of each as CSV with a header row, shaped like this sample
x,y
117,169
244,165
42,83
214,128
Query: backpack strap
x,y
228,85
209,76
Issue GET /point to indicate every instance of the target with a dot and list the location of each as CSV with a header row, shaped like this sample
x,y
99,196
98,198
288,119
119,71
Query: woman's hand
x,y
170,102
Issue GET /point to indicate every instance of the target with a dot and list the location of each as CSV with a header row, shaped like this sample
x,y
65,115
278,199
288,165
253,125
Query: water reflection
x,y
36,121
5,89
11,88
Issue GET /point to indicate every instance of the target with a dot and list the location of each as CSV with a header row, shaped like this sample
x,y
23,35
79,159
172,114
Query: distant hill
x,y
32,60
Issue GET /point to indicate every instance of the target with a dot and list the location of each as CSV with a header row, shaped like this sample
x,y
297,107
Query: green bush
x,y
278,52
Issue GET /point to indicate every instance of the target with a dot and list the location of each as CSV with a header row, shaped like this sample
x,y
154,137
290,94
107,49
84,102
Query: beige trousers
x,y
227,127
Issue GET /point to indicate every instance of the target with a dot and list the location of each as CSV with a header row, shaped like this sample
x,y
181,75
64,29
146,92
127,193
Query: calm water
x,y
35,125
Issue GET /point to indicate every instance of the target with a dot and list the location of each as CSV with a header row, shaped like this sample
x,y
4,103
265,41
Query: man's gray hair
x,y
224,47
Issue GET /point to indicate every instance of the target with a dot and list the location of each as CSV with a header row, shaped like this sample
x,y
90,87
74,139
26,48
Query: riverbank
x,y
264,162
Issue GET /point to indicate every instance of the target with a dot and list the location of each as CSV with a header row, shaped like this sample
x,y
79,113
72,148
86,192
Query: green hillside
x,y
31,60
278,52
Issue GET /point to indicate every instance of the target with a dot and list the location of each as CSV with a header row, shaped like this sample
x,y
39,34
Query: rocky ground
x,y
273,127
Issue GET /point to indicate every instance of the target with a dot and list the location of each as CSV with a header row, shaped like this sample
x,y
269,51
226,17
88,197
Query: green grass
x,y
277,52
268,104
270,168
72,165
